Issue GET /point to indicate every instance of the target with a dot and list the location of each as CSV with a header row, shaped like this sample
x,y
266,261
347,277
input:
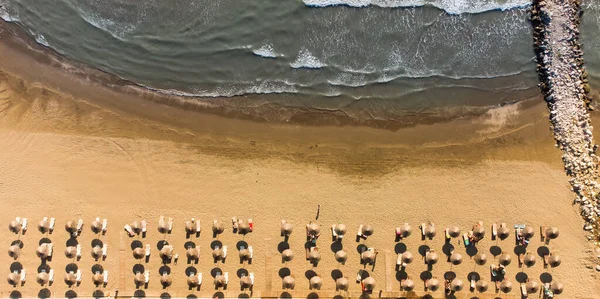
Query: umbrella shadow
x,y
191,270
522,277
97,268
425,275
164,269
423,249
473,276
543,251
401,275
160,244
310,274
189,244
42,241
72,267
70,294
400,248
546,277
44,293
241,245
361,248
98,294
136,244
447,249
139,294
16,267
472,251
495,250
449,275
97,243
216,243
215,271
282,246
138,268
336,246
336,274
18,242
15,295
283,272
43,268
285,295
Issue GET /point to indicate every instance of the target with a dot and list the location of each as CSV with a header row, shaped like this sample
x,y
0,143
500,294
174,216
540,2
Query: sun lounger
x,y
18,219
359,233
494,231
78,276
24,227
170,224
161,220
466,239
251,250
50,249
521,226
251,275
144,227
78,251
523,290
105,274
199,278
147,250
129,230
543,233
197,227
104,225
104,251
472,281
399,259
146,276
51,275
234,223
23,276
226,275
447,233
51,226
422,227
79,226
334,235
250,224
224,251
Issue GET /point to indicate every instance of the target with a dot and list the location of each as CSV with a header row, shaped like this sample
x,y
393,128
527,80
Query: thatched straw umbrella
x,y
244,228
219,281
408,285
166,252
431,257
456,258
189,227
217,227
532,287
480,259
341,256
314,229
42,278
315,283
71,226
193,253
430,231
407,257
245,282
367,230
504,259
70,278
552,233
287,255
96,226
14,251
245,254
369,283
70,251
481,286
163,226
405,230
454,231
136,227
15,227
97,279
340,229
556,287
529,259
368,257
528,232
287,229
288,282
44,226
43,251
478,231
193,281
456,285
165,280
139,279
13,279
503,232
217,254
433,284
506,286
96,252
554,260
138,253
342,284
314,256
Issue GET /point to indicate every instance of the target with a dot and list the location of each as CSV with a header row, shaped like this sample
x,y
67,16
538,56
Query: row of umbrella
x,y
71,226
316,282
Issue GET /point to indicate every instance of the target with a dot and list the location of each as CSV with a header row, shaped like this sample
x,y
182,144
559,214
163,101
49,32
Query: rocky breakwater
x,y
563,82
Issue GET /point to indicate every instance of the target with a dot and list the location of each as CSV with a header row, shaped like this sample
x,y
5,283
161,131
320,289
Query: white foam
x,y
118,31
265,51
225,90
40,39
5,15
450,6
306,59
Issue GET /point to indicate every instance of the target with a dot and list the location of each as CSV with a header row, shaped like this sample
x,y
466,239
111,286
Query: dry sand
x,y
71,149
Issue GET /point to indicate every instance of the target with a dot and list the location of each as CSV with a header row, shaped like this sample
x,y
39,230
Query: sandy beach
x,y
72,148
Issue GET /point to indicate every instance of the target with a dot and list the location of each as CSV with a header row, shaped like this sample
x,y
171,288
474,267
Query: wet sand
x,y
73,148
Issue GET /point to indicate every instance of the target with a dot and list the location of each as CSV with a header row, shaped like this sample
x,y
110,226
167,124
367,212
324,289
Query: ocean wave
x,y
307,60
226,90
40,39
5,15
117,31
265,51
449,6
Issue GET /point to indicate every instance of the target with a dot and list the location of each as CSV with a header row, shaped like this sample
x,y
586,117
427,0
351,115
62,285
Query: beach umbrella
x,y
193,281
479,231
532,287
503,232
340,229
430,231
369,283
407,257
433,284
163,227
166,252
217,227
189,227
70,251
408,285
14,278
506,286
217,254
342,283
405,230
139,279
554,260
528,232
454,231
245,254
288,282
70,278
286,229
192,253
96,226
481,286
529,259
245,282
219,281
44,226
244,228
456,285
314,256
43,251
14,251
287,255
504,259
97,279
316,282
314,229
136,227
552,233
480,259
341,256
138,253
71,226
14,226
431,257
165,280
556,287
456,258
42,278
368,257
96,252
367,230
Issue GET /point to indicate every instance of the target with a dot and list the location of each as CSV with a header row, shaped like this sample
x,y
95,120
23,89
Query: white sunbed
x,y
251,250
51,226
105,274
251,275
147,250
333,233
50,249
224,251
23,276
170,224
199,278
104,250
146,276
79,226
129,230
226,275
104,225
197,227
51,275
78,251
24,227
359,233
144,226
78,276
